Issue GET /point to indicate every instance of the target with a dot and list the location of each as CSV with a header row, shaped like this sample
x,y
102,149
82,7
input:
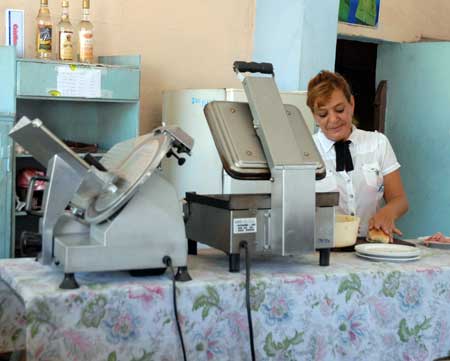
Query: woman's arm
x,y
396,205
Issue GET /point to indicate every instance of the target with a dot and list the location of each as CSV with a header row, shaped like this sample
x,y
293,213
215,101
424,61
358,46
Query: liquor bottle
x,y
65,29
44,32
86,35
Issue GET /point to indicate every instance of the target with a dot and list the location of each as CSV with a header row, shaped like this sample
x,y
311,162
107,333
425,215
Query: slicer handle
x,y
181,160
90,159
30,193
252,67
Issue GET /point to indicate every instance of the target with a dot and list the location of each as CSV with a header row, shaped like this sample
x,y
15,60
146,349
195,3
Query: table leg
x,y
192,247
234,262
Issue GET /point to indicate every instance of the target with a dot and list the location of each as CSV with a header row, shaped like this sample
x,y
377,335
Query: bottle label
x,y
65,45
44,39
86,46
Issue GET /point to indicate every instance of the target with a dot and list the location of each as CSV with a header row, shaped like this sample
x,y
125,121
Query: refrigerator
x,y
203,172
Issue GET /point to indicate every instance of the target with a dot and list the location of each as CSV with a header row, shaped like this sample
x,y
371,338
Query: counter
x,y
352,310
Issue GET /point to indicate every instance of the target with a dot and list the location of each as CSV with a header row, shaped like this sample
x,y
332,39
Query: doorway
x,y
356,61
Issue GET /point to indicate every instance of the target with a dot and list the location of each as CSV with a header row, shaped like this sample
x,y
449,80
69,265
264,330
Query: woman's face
x,y
334,117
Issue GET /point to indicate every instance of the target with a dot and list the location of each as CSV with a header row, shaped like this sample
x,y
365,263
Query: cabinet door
x,y
7,80
5,139
5,208
6,199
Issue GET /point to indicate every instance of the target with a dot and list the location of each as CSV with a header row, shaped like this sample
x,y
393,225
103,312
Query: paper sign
x,y
73,81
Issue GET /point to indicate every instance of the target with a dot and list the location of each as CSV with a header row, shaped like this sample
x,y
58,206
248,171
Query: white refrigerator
x,y
203,172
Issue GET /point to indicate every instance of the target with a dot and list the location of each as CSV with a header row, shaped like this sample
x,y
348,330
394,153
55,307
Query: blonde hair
x,y
323,85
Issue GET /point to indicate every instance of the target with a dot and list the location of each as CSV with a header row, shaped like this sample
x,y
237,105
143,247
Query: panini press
x,y
263,140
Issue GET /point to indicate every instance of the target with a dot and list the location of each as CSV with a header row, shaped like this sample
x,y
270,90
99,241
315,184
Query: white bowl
x,y
345,230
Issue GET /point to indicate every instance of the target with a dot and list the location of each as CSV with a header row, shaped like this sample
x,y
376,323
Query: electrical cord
x,y
168,262
244,244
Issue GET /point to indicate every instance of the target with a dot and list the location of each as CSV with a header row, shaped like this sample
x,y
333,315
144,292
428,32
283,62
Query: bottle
x,y
86,35
44,32
65,29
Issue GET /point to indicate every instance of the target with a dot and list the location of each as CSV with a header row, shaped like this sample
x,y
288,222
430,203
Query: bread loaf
x,y
377,236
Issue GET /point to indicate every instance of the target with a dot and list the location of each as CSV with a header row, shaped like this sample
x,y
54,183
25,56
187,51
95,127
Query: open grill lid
x,y
241,152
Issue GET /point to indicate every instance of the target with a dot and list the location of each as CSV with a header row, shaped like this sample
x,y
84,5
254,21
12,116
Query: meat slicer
x,y
114,214
263,140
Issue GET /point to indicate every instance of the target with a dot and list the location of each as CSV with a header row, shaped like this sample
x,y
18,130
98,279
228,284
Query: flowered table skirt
x,y
352,310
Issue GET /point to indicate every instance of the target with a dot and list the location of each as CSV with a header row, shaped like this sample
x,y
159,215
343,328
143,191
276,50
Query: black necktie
x,y
343,156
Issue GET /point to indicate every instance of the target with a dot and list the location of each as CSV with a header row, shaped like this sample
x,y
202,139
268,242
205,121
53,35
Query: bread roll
x,y
377,235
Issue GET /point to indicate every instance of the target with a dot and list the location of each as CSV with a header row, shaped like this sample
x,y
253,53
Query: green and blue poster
x,y
360,12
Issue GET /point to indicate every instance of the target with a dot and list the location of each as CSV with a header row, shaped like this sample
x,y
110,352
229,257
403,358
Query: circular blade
x,y
133,162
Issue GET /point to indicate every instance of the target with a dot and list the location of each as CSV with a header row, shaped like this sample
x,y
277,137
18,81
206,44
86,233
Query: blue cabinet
x,y
95,104
5,188
7,114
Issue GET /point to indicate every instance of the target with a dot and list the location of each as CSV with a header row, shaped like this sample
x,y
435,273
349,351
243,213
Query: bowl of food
x,y
345,230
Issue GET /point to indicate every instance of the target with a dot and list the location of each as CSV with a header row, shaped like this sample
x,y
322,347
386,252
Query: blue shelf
x,y
118,82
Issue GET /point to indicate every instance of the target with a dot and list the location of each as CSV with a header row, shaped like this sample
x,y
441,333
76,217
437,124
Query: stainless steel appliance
x,y
114,214
264,140
204,172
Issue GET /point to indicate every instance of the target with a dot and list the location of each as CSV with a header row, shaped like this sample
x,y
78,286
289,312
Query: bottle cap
x,y
44,2
86,4
65,3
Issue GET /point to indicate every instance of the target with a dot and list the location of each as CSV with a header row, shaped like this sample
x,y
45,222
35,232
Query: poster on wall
x,y
359,12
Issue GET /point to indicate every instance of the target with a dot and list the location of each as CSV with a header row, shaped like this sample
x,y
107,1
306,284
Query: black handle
x,y
171,153
30,192
252,67
89,158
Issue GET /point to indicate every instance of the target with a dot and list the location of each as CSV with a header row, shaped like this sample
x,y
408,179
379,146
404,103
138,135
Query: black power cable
x,y
168,262
244,244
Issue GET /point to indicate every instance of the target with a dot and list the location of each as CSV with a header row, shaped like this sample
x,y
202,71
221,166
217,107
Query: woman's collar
x,y
327,144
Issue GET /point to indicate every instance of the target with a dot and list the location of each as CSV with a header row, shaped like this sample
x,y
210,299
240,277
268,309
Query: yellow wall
x,y
184,44
407,21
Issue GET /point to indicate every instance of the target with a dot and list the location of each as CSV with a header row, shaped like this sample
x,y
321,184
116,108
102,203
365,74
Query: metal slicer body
x,y
124,217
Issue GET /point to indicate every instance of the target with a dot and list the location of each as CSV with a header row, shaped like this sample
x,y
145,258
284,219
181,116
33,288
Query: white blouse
x,y
361,190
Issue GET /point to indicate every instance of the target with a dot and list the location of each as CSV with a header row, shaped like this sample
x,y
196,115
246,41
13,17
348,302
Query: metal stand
x,y
183,275
69,282
192,247
234,260
324,256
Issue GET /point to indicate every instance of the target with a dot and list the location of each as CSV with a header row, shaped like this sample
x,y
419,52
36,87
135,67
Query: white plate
x,y
387,259
387,250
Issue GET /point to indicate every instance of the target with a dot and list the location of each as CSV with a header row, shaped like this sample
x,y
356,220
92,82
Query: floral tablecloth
x,y
352,310
12,320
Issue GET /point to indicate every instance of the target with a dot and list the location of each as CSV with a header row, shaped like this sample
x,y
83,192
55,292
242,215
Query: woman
x,y
360,165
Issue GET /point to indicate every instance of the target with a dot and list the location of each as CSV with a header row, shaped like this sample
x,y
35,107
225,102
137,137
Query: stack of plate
x,y
387,252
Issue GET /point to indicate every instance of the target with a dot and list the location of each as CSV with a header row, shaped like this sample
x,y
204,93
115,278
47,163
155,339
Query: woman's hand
x,y
383,220
396,206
